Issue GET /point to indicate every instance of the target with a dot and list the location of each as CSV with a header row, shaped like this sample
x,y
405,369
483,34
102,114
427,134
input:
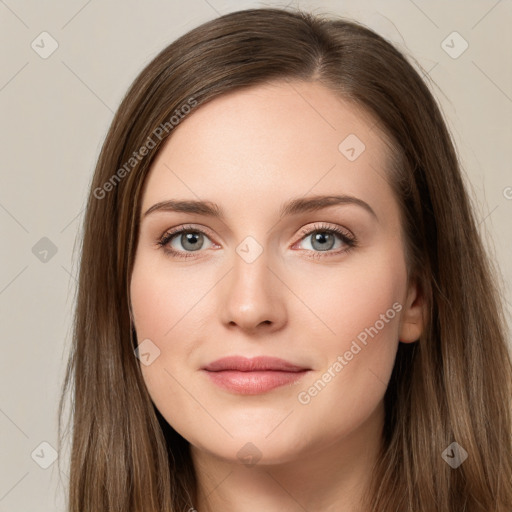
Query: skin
x,y
251,151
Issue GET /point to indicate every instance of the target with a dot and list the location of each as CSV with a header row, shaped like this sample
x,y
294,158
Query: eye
x,y
184,241
327,239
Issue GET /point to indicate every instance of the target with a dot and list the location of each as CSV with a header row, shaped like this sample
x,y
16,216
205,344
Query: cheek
x,y
156,307
361,305
170,307
150,304
164,306
161,297
351,298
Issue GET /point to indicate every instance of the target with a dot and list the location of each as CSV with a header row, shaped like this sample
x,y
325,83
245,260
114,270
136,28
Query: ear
x,y
413,316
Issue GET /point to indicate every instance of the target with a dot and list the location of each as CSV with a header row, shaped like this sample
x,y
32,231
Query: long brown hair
x,y
453,385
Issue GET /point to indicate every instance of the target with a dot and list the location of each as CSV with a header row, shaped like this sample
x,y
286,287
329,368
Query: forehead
x,y
254,148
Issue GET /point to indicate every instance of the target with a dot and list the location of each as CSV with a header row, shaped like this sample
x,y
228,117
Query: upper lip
x,y
244,364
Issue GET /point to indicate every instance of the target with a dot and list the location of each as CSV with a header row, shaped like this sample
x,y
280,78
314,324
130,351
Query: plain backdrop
x,y
56,109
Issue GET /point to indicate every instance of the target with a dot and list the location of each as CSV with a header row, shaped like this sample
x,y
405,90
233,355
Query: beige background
x,y
55,114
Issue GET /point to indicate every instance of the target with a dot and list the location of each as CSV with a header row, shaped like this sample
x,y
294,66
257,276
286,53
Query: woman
x,y
284,302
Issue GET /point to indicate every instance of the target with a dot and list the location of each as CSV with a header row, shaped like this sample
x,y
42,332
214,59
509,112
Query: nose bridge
x,y
252,295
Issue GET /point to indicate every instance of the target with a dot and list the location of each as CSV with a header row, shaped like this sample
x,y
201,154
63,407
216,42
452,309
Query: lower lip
x,y
255,382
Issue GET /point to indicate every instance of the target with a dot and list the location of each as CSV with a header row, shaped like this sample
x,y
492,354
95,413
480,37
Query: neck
x,y
332,477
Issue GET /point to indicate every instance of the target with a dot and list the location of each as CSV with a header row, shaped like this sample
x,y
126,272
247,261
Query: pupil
x,y
323,238
193,239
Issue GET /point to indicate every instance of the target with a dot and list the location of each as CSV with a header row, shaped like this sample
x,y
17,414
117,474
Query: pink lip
x,y
253,376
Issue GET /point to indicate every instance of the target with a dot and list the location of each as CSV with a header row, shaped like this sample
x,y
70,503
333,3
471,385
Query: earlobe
x,y
413,315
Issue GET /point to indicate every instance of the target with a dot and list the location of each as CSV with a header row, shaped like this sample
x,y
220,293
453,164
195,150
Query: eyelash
x,y
349,240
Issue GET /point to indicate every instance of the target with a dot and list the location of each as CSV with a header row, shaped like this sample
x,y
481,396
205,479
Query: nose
x,y
253,297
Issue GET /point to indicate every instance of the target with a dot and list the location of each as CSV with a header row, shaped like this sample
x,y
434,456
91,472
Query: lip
x,y
253,376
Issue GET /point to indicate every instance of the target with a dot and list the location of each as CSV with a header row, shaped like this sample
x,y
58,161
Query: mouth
x,y
253,376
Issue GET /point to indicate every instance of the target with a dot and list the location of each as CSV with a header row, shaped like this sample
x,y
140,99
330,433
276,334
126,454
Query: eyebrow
x,y
293,207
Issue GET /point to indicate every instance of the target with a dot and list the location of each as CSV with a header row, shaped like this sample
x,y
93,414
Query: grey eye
x,y
189,240
322,240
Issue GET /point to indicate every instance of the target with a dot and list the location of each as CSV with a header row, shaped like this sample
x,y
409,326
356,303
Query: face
x,y
269,268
